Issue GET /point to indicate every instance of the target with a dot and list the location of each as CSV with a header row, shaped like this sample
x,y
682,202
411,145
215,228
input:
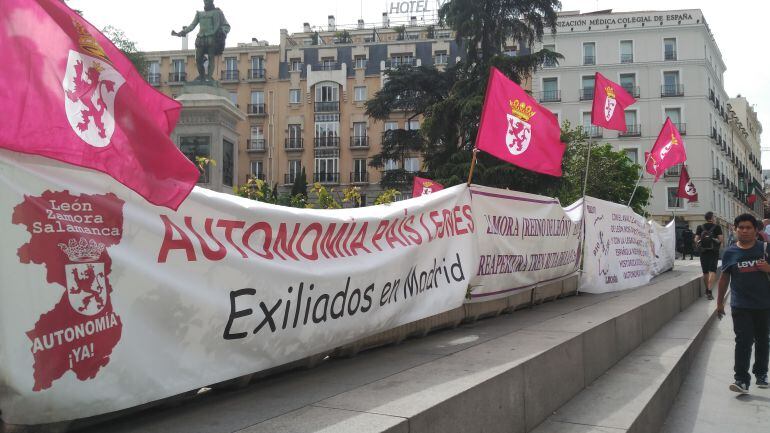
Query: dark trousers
x,y
751,328
687,249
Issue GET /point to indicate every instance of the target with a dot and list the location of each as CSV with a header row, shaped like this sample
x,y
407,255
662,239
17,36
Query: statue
x,y
211,38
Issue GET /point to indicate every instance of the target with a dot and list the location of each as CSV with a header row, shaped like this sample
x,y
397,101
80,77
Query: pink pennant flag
x,y
667,152
516,129
610,102
67,93
424,187
686,187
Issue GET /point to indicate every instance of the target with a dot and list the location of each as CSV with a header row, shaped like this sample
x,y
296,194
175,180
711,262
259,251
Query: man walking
x,y
708,237
687,242
745,270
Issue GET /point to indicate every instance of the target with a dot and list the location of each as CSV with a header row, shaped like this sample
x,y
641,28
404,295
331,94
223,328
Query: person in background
x,y
709,237
730,235
762,235
687,242
766,223
745,270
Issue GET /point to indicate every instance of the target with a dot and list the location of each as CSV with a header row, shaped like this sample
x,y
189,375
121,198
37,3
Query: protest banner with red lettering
x,y
523,240
109,302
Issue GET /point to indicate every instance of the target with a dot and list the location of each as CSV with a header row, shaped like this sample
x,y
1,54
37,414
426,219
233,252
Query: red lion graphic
x,y
84,92
517,130
84,284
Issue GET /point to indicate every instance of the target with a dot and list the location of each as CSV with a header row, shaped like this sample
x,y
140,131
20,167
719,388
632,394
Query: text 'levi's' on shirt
x,y
749,286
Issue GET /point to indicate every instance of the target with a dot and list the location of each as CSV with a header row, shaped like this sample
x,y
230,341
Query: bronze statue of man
x,y
211,37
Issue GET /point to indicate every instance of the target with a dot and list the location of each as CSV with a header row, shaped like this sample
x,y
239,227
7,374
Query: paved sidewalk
x,y
705,404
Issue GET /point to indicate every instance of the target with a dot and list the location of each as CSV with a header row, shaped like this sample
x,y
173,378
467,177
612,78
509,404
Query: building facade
x,y
304,100
670,62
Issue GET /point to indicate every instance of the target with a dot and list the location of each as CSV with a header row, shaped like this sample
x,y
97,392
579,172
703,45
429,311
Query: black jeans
x,y
751,327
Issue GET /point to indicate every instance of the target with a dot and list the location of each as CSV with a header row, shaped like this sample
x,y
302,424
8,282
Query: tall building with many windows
x,y
670,62
304,99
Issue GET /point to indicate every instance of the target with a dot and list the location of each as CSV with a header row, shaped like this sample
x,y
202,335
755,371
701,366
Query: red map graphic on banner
x,y
70,236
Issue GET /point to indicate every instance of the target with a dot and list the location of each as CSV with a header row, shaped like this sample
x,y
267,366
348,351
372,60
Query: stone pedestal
x,y
208,127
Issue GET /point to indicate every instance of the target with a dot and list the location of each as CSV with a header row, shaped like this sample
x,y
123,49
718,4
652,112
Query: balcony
x,y
586,94
549,63
327,178
626,58
359,177
632,90
327,107
256,74
669,55
327,142
672,90
328,66
177,77
550,96
359,142
296,67
294,144
256,145
593,131
153,79
230,75
256,110
589,60
682,128
631,131
395,64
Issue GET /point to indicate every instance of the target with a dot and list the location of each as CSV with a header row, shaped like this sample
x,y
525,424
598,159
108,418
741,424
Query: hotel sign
x,y
414,7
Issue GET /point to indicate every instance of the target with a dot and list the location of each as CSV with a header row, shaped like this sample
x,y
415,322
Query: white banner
x,y
109,302
617,250
663,243
523,240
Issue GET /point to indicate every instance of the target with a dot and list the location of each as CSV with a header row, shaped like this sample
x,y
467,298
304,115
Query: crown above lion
x,y
610,92
87,42
522,110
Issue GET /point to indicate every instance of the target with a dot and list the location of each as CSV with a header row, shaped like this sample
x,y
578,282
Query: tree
x,y
127,46
300,184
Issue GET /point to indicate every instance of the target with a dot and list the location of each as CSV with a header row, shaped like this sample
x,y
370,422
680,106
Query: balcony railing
x,y
586,93
256,74
327,107
293,144
669,55
682,128
326,177
327,142
393,64
256,109
672,90
296,67
334,66
589,60
359,177
631,131
359,142
674,171
255,145
230,75
549,63
550,96
632,90
177,77
153,79
594,131
626,58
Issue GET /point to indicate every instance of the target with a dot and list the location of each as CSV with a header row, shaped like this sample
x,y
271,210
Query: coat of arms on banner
x,y
519,130
689,189
667,148
427,188
609,103
90,87
86,281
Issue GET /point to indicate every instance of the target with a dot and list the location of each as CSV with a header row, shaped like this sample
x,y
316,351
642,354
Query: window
x,y
550,90
397,60
628,82
359,134
587,90
231,64
257,103
632,127
178,71
197,146
294,96
360,62
327,92
258,62
589,53
327,169
360,93
295,168
592,131
257,169
632,155
153,73
178,65
671,85
295,65
440,58
228,162
390,164
412,165
549,63
669,49
234,98
443,35
391,125
359,174
294,137
412,36
327,133
414,125
672,201
257,138
626,51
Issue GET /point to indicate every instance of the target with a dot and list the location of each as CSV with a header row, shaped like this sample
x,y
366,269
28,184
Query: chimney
x,y
413,21
332,26
307,27
360,24
385,20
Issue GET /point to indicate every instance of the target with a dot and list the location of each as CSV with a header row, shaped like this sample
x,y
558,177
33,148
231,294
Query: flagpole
x,y
640,179
588,162
473,165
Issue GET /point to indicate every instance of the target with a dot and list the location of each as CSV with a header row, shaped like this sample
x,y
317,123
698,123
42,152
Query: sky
x,y
739,26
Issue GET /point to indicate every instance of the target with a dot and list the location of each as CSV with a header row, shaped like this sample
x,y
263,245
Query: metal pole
x,y
473,165
640,179
588,163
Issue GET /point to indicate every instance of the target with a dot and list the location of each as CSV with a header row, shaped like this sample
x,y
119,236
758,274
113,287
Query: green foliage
x,y
300,184
256,189
388,196
315,39
324,197
127,46
400,32
344,37
352,194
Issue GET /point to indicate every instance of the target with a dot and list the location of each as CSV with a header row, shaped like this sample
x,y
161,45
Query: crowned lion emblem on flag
x,y
519,131
609,103
667,148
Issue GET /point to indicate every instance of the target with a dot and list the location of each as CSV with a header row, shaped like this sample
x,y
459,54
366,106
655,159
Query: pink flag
x,y
686,187
610,102
67,93
425,186
667,152
515,128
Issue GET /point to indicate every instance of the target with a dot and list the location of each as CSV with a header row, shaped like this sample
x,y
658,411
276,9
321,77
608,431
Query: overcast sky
x,y
739,26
